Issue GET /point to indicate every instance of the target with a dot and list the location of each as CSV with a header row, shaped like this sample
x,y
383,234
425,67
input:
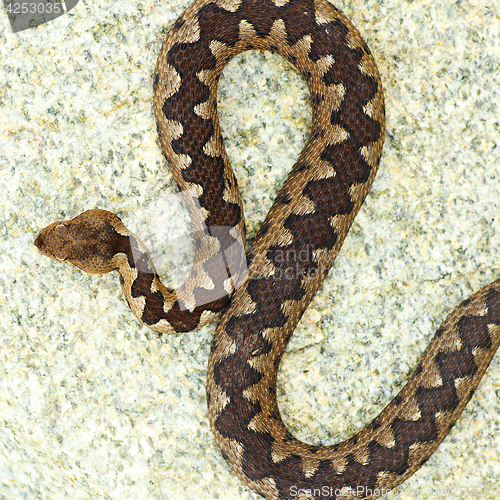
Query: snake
x,y
262,295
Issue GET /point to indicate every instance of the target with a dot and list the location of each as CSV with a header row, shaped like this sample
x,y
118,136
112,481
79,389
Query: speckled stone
x,y
90,405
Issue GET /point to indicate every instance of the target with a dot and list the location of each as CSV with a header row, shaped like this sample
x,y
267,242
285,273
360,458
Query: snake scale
x,y
291,255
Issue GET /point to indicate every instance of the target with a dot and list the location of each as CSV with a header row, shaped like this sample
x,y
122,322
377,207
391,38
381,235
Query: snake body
x,y
291,255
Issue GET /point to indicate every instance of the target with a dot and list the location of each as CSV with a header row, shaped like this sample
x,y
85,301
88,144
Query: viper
x,y
263,295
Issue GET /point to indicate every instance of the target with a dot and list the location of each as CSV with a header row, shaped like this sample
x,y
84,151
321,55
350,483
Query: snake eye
x,y
60,254
61,228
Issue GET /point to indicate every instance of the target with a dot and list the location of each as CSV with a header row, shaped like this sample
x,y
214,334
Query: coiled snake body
x,y
290,256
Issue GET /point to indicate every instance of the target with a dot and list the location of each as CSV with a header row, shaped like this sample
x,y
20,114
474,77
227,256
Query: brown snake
x,y
291,255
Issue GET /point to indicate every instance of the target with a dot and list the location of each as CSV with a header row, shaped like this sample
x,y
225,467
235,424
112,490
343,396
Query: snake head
x,y
91,241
